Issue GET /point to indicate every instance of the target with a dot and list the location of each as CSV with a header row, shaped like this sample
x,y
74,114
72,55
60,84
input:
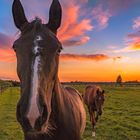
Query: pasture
x,y
120,119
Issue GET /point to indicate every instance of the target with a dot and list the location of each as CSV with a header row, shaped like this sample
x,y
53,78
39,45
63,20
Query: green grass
x,y
9,128
120,120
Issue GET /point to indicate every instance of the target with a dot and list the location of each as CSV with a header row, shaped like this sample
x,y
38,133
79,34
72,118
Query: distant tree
x,y
119,80
15,84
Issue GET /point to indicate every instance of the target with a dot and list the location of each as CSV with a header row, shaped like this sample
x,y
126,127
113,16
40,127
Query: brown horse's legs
x,y
93,120
92,116
90,113
97,116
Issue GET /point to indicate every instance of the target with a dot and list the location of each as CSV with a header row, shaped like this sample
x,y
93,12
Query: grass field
x,y
120,120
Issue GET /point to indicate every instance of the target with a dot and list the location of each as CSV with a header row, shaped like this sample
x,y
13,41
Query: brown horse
x,y
46,110
94,99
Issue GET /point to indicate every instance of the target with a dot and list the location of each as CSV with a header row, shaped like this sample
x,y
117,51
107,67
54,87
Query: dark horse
x,y
94,99
46,110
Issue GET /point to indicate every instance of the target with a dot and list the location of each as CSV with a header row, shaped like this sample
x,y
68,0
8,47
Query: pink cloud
x,y
101,16
73,42
136,23
72,32
116,6
134,35
75,24
5,41
104,10
73,27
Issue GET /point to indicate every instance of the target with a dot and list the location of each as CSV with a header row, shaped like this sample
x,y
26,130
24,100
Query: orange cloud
x,y
134,41
135,45
84,57
7,55
131,47
72,31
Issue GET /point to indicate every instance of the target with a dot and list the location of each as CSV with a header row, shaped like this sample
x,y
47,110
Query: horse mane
x,y
93,86
35,21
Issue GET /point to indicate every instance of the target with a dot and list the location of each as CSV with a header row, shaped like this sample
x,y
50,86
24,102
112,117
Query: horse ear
x,y
55,16
18,14
98,91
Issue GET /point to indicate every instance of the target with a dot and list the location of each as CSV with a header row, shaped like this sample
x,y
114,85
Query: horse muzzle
x,y
25,121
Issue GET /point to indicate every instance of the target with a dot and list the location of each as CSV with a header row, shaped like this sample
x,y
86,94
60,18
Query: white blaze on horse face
x,y
33,112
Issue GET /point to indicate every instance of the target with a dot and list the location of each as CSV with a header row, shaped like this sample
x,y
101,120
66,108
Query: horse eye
x,y
14,48
59,51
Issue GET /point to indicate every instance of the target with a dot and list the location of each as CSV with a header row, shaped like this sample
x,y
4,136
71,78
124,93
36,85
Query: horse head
x,y
99,100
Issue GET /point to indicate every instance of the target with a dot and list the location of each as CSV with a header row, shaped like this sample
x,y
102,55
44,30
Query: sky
x,y
100,38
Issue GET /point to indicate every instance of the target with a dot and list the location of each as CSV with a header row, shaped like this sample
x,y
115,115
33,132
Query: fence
x,y
3,87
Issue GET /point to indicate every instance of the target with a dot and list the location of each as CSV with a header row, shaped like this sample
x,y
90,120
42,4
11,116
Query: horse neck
x,y
60,104
63,108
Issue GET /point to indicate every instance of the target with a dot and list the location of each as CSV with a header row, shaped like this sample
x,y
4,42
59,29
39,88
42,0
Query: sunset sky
x,y
101,38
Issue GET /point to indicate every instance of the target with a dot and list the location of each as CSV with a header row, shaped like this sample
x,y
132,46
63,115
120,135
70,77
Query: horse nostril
x,y
38,123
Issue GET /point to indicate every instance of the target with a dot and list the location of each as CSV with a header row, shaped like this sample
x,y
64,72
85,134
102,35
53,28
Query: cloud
x,y
72,32
134,35
104,10
85,57
77,42
132,43
102,16
74,27
74,24
7,55
136,23
117,6
5,41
